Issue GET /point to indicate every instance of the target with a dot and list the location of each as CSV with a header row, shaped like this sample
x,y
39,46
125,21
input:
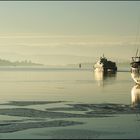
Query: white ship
x,y
135,68
104,65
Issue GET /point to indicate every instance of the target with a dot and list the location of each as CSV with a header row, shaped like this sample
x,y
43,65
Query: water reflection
x,y
135,96
104,78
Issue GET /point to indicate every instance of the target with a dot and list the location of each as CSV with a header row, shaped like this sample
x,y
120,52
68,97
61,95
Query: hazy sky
x,y
62,32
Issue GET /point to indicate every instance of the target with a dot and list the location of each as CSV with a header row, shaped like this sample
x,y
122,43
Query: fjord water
x,y
71,86
75,85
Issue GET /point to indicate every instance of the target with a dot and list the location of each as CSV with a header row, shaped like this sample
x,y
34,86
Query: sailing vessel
x,y
104,65
135,68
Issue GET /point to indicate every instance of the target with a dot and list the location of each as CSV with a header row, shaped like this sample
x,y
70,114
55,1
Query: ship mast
x,y
137,52
137,35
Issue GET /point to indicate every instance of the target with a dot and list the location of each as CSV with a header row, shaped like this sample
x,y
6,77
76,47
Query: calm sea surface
x,y
66,84
71,87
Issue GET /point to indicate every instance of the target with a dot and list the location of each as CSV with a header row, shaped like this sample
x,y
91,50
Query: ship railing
x,y
135,59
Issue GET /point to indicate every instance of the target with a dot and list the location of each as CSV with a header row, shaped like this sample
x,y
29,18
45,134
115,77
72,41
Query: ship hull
x,y
99,69
135,74
105,70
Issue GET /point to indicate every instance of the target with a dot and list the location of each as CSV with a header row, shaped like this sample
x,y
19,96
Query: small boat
x,y
106,66
135,68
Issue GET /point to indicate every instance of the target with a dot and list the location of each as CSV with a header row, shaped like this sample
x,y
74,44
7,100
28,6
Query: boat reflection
x,y
103,78
135,96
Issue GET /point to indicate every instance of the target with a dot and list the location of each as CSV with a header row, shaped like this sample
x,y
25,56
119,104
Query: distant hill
x,y
18,63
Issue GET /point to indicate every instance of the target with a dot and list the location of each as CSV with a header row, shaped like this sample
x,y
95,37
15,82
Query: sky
x,y
67,32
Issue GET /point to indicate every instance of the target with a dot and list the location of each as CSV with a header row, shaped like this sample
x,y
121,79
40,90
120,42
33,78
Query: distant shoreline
x,y
4,62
